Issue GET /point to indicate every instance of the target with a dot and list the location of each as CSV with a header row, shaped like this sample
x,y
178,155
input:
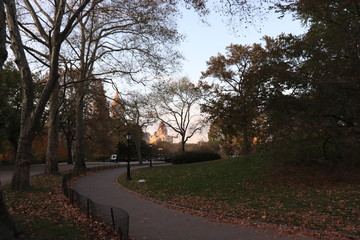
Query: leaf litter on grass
x,y
315,198
43,212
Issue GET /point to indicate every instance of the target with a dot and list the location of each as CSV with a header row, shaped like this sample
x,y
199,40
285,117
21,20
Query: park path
x,y
151,221
6,173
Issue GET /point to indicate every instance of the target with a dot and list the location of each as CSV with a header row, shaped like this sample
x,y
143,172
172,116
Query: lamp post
x,y
117,152
160,153
150,146
128,138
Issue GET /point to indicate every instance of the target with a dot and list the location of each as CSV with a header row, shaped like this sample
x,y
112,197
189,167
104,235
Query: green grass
x,y
42,228
314,197
59,230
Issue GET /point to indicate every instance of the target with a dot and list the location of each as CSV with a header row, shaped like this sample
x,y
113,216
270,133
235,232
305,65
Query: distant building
x,y
161,135
117,107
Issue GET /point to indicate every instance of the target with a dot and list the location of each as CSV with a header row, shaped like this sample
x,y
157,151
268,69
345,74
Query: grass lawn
x,y
319,198
43,212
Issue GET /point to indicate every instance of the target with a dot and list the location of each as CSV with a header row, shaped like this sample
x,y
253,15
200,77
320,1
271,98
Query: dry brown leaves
x,y
220,212
54,207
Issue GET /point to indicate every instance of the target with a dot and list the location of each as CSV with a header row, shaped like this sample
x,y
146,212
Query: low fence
x,y
116,217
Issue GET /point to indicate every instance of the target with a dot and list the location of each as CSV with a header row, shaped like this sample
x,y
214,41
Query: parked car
x,y
113,158
121,158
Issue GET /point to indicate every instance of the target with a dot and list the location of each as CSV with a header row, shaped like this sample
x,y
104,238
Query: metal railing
x,y
116,217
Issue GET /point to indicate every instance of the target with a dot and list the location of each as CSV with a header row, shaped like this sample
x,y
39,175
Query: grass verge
x,y
321,198
43,212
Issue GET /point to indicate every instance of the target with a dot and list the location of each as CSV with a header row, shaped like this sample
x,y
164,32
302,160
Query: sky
x,y
206,40
203,41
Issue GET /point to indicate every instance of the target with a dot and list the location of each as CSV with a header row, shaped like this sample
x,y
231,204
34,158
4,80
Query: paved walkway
x,y
151,221
6,173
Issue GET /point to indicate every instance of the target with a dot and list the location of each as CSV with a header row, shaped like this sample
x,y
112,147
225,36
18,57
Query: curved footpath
x,y
155,222
6,173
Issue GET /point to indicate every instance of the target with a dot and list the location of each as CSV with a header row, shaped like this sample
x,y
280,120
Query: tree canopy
x,y
174,103
304,90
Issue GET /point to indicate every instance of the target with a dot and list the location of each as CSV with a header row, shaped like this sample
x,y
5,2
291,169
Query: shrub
x,y
192,157
99,158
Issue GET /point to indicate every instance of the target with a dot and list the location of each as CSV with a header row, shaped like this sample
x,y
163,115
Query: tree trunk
x,y
31,116
138,151
247,142
21,175
3,52
69,142
183,142
7,226
52,150
80,131
20,180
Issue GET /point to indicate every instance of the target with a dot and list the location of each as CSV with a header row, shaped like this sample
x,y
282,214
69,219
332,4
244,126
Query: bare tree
x,y
52,40
22,163
49,24
67,119
53,132
173,103
116,41
7,226
137,118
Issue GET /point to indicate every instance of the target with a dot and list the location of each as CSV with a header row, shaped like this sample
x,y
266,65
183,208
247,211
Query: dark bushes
x,y
100,158
192,157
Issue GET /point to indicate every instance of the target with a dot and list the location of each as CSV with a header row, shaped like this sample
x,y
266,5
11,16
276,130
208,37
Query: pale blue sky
x,y
206,40
203,41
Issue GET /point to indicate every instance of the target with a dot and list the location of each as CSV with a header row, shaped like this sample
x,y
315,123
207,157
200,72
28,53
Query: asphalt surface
x,y
151,221
6,173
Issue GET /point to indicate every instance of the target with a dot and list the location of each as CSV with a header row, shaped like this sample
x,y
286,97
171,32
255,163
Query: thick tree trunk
x,y
3,52
80,131
138,151
21,175
52,150
31,116
69,143
20,180
7,226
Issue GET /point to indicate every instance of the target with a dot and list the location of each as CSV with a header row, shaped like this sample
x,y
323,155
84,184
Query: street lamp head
x,y
128,136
